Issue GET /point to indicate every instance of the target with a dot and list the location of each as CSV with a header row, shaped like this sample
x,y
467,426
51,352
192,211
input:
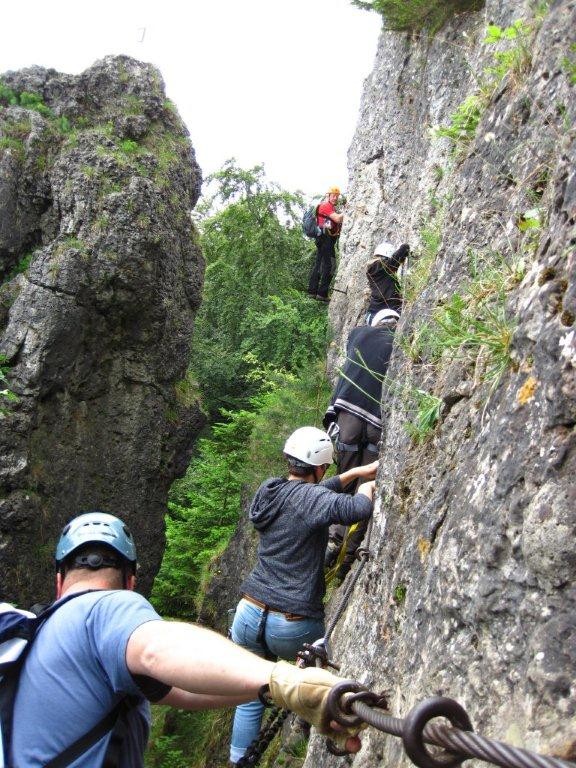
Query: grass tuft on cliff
x,y
416,15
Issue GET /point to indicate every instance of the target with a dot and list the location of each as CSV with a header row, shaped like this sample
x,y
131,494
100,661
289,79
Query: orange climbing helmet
x,y
334,191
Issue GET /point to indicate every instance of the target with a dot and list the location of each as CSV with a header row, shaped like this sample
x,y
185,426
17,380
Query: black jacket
x,y
359,386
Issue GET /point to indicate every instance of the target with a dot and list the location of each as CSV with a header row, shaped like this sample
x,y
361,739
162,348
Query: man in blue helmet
x,y
101,657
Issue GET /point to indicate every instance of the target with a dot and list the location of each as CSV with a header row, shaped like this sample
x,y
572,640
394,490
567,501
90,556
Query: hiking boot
x,y
325,299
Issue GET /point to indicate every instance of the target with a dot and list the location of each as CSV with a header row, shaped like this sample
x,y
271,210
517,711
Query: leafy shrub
x,y
418,14
512,59
7,95
129,146
515,59
473,320
464,121
63,124
469,324
34,101
284,331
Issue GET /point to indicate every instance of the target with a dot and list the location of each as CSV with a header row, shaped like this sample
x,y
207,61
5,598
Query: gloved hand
x,y
401,253
305,692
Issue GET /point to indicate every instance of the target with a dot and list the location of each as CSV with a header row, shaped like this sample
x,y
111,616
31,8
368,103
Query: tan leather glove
x,y
305,691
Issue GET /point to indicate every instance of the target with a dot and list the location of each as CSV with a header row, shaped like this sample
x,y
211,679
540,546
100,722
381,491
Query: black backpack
x,y
18,630
310,222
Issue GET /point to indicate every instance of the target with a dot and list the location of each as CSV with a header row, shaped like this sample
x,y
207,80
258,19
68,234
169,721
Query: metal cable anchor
x,y
416,721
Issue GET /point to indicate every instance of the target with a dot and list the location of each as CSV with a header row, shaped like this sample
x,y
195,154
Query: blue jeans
x,y
283,639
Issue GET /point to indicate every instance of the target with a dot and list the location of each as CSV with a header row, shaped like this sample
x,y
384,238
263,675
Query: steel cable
x,y
460,742
350,583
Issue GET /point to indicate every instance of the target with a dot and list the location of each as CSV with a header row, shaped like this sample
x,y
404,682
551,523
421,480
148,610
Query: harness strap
x,y
81,745
106,724
347,446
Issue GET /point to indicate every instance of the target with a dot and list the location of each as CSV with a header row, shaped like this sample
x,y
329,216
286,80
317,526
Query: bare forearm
x,y
366,472
194,701
196,660
349,476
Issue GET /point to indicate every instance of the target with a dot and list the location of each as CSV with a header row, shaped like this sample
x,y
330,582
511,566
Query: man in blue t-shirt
x,y
105,644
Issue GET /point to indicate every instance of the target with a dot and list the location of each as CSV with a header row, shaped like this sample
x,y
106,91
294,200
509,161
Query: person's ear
x,y
131,582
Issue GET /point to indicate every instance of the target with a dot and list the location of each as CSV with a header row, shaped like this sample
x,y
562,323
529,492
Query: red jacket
x,y
325,209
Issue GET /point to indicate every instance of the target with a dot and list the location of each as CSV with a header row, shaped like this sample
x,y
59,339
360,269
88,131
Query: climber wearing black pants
x,y
354,415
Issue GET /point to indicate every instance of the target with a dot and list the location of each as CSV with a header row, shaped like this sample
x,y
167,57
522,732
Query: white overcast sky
x,y
276,82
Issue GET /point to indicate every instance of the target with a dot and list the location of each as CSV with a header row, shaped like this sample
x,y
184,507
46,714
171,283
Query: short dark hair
x,y
298,468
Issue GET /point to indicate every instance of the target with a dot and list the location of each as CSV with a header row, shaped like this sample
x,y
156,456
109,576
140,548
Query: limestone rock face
x,y
101,276
470,591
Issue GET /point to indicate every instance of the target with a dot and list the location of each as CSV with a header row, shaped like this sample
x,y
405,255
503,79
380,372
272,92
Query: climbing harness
x,y
459,742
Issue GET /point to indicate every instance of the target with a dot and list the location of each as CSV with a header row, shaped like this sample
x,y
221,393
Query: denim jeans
x,y
283,639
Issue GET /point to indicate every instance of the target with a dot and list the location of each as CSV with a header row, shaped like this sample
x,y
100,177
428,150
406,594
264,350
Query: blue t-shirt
x,y
75,674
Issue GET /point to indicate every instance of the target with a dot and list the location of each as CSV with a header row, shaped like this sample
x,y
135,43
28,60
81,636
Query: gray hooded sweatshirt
x,y
292,518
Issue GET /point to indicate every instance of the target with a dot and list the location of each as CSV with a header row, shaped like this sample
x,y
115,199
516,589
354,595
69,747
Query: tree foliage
x,y
257,342
202,514
254,313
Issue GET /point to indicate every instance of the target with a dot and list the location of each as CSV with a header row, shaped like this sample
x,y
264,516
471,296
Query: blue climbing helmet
x,y
96,528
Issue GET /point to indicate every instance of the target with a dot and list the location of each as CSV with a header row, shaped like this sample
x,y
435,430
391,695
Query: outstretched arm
x,y
206,671
366,472
196,660
337,218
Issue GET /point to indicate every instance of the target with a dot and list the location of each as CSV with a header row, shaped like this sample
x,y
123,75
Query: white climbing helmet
x,y
384,249
384,316
311,446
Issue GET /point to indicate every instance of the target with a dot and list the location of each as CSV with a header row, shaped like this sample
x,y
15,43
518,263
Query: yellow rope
x,y
331,573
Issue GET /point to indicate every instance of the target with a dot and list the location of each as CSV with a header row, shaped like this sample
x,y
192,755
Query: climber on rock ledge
x,y
282,604
330,222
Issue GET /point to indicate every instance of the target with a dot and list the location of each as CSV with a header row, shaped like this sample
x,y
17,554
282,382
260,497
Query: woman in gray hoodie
x,y
281,608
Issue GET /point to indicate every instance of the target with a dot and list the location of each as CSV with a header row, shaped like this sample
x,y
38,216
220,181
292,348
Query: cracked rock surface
x,y
471,588
100,279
